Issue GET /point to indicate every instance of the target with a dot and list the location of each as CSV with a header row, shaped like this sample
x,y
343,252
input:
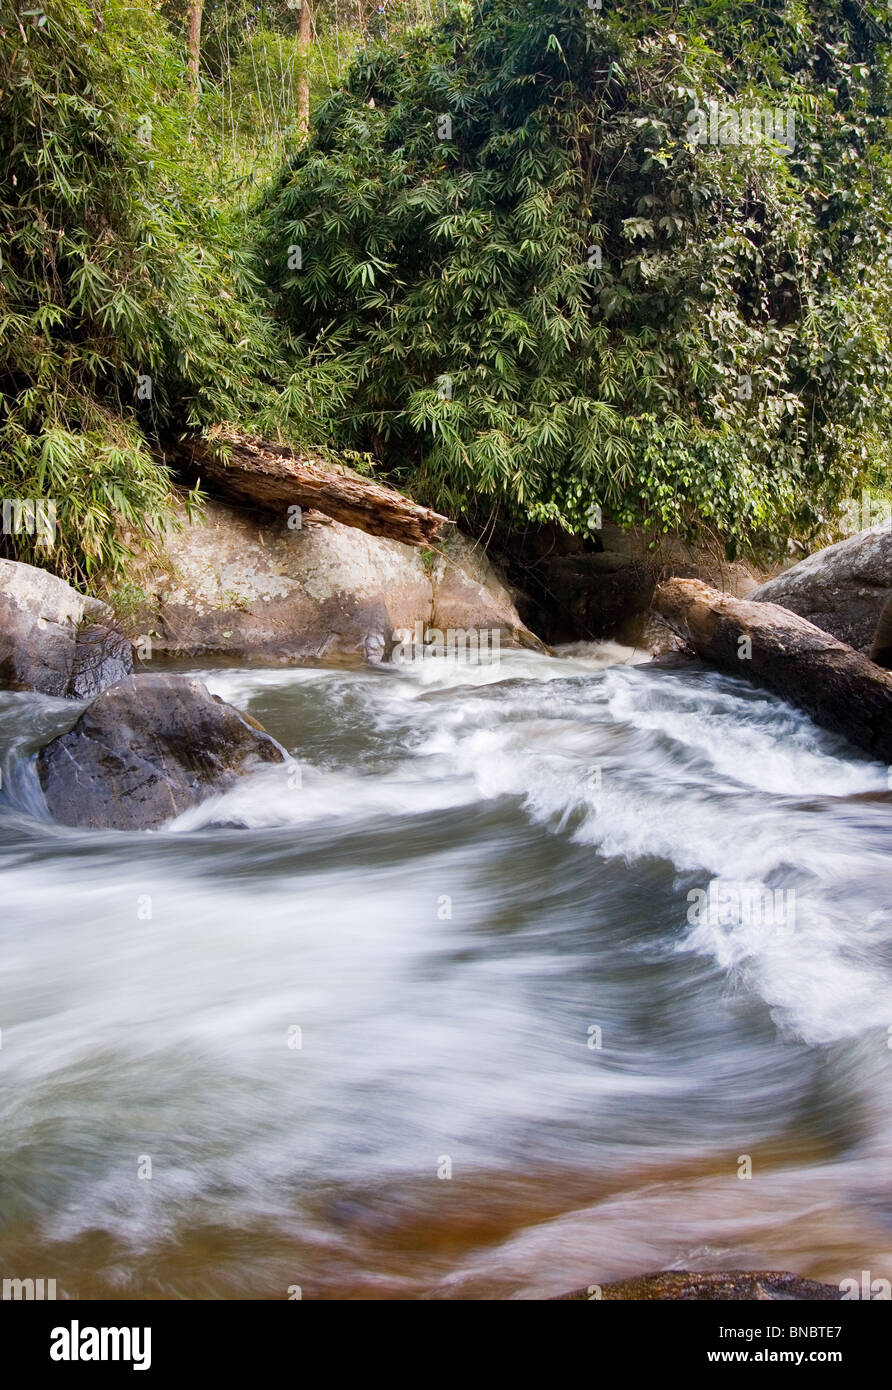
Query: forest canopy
x,y
630,256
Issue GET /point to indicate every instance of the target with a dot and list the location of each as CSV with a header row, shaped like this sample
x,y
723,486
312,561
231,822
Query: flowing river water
x,y
432,1013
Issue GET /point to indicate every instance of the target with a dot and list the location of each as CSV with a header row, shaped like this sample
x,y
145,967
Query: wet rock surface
x,y
146,750
102,657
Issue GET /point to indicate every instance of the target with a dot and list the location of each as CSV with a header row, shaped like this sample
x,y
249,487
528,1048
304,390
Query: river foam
x,y
470,894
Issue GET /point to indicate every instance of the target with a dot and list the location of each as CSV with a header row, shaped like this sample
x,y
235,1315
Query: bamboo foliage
x,y
497,265
552,298
127,301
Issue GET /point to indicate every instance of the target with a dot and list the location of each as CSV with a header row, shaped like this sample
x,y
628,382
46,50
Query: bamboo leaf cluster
x,y
547,296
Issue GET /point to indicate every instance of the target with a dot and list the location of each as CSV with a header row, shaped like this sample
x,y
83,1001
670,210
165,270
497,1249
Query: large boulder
x,y
55,640
842,588
245,585
146,750
466,592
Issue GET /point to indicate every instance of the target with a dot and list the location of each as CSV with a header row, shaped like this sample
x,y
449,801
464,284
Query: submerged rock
x,y
55,640
841,589
736,1285
146,750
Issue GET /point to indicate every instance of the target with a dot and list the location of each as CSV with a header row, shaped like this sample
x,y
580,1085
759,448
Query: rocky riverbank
x,y
278,586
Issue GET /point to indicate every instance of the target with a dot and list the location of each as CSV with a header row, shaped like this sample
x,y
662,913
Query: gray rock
x,y
44,642
39,618
242,584
469,594
648,632
841,589
146,750
102,657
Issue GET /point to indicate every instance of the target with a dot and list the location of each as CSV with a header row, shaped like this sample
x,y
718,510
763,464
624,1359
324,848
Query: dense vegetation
x,y
130,307
550,299
520,285
126,302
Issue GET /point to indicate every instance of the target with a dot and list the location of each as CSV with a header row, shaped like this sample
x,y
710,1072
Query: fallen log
x,y
841,689
274,477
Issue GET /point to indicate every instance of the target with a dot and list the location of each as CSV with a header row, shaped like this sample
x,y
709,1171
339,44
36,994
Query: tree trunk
x,y
274,478
840,689
196,8
303,82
